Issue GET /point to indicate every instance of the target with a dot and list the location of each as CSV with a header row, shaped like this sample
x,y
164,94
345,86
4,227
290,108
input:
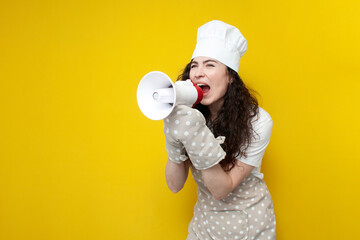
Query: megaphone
x,y
157,95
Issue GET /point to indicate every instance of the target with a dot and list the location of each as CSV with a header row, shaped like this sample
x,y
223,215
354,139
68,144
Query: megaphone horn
x,y
157,95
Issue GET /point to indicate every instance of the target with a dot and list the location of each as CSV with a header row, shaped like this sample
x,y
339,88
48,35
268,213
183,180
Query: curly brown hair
x,y
234,118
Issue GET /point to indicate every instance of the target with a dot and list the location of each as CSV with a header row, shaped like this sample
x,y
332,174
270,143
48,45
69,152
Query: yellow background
x,y
78,160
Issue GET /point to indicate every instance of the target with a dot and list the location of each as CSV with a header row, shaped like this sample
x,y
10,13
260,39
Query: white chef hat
x,y
222,42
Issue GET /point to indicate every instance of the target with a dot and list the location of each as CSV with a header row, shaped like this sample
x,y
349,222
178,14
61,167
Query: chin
x,y
205,102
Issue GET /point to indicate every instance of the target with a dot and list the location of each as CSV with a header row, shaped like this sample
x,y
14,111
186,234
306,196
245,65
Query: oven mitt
x,y
186,133
175,149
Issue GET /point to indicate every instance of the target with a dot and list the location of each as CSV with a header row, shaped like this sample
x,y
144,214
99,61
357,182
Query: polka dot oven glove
x,y
175,149
186,131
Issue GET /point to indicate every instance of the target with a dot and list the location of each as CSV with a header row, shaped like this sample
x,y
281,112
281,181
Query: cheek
x,y
222,88
223,91
222,83
191,75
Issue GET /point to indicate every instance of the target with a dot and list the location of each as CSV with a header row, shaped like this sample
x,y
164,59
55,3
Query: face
x,y
212,76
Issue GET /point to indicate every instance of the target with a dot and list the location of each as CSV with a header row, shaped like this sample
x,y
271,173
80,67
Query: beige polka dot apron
x,y
246,213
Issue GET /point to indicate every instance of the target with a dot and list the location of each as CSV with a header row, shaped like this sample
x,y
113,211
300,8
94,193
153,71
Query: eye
x,y
210,65
192,66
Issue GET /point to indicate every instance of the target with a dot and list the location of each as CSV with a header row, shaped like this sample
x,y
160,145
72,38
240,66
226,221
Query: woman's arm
x,y
176,174
221,183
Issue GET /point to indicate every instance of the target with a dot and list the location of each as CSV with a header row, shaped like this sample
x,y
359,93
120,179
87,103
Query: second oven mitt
x,y
185,129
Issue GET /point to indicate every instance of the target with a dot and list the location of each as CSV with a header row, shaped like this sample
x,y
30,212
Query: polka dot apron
x,y
246,213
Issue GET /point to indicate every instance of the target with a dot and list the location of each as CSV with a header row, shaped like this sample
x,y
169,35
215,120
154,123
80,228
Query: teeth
x,y
200,84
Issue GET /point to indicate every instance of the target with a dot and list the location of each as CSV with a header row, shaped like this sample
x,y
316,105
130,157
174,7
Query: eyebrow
x,y
206,61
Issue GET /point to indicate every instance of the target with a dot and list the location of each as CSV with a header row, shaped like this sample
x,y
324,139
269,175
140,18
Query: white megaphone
x,y
157,95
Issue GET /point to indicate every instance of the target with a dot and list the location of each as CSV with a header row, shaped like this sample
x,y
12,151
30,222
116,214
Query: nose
x,y
199,72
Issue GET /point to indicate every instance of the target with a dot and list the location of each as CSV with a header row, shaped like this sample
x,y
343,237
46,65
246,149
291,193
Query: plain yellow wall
x,y
78,160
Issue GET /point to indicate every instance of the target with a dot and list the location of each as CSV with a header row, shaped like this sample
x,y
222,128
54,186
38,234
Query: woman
x,y
224,145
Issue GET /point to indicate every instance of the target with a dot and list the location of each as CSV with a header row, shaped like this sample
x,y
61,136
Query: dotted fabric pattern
x,y
246,213
186,133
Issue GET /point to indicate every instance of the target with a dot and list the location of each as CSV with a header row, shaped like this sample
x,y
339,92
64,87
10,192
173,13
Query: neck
x,y
214,109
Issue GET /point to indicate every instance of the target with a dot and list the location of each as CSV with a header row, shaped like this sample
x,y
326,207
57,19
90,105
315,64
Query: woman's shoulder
x,y
262,116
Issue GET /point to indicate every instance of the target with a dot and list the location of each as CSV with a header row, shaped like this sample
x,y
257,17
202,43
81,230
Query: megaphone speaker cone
x,y
157,95
150,107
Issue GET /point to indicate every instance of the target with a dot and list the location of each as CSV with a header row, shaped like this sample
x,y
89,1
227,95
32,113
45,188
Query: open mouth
x,y
204,87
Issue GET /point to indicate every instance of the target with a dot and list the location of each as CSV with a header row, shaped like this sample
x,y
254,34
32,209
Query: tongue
x,y
205,89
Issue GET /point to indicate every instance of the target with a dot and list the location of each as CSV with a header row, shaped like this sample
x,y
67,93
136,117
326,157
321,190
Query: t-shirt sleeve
x,y
262,127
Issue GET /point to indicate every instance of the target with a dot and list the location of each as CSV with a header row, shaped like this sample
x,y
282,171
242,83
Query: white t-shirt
x,y
262,126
